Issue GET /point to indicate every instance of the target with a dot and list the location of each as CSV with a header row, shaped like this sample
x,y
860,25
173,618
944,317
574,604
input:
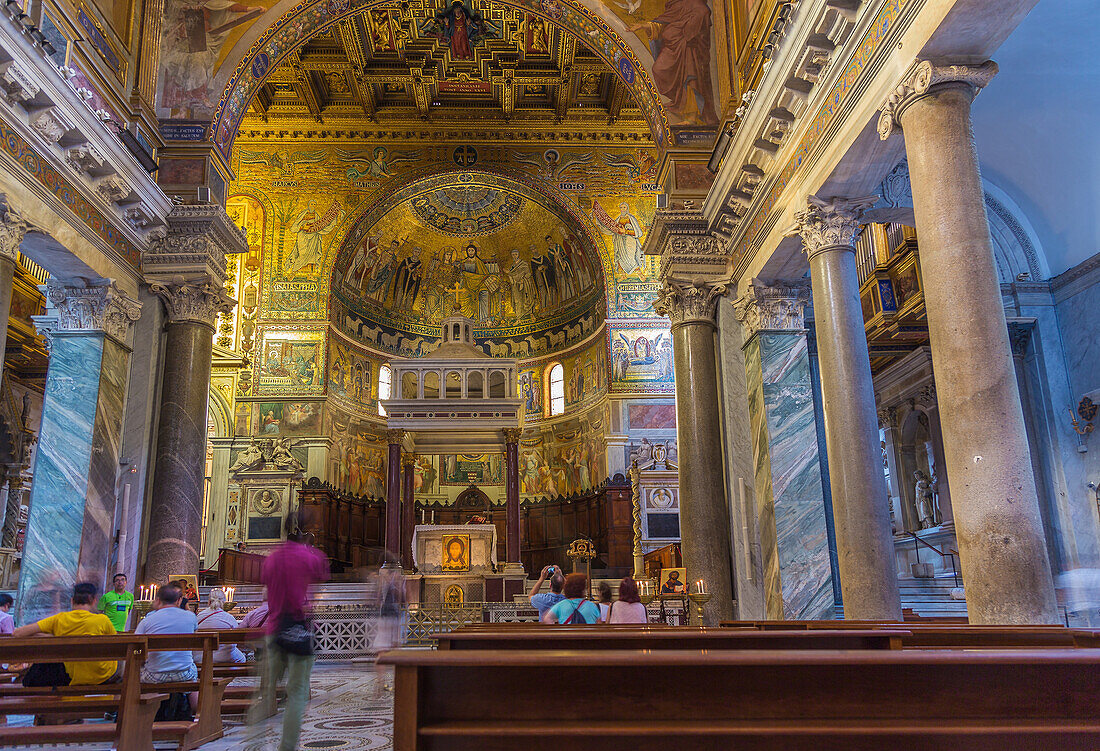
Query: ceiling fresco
x,y
476,242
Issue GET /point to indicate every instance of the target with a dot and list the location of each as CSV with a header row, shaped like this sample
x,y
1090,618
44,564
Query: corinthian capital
x,y
830,223
921,79
13,228
776,307
79,305
192,301
689,302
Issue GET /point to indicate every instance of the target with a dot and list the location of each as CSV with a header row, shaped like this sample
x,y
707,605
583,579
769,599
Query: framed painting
x,y
673,581
456,553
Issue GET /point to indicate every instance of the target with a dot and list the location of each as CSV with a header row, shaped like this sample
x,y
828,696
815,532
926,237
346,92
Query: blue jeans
x,y
297,669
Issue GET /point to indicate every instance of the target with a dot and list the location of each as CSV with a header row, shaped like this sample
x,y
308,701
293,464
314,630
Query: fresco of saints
x,y
309,228
680,42
193,37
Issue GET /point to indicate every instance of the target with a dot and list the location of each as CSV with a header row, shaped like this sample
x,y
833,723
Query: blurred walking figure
x,y
390,599
288,574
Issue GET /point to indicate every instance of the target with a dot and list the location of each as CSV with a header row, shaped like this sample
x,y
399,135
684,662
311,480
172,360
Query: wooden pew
x,y
680,637
932,635
133,729
207,725
805,700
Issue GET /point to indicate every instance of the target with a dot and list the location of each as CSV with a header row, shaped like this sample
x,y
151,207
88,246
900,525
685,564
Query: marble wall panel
x,y
797,573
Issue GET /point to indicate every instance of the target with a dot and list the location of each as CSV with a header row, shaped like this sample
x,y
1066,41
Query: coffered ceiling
x,y
516,75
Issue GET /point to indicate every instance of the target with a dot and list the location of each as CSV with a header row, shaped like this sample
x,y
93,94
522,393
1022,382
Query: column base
x,y
513,569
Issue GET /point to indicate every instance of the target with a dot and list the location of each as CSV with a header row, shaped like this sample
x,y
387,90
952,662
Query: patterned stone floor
x,y
351,710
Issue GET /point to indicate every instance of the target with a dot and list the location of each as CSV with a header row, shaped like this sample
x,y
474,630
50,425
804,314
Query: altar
x,y
457,564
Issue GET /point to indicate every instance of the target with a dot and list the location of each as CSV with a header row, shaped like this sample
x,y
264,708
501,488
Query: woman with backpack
x,y
575,608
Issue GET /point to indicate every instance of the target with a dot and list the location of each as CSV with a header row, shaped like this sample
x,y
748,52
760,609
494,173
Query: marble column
x,y
789,491
408,510
71,525
861,511
704,518
997,518
393,494
12,231
511,496
185,266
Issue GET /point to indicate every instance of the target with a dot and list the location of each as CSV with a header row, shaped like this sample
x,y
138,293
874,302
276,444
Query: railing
x,y
917,542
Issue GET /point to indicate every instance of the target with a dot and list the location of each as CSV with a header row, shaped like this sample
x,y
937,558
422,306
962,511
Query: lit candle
x,y
700,588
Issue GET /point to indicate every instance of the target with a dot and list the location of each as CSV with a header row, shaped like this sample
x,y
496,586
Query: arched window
x,y
556,387
383,387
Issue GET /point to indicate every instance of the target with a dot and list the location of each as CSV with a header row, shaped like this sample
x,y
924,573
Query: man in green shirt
x,y
117,603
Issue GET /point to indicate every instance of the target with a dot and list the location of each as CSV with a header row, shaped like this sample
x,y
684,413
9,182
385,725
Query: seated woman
x,y
628,608
214,618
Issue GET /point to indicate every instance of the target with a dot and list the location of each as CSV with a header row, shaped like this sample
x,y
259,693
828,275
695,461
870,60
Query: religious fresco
x,y
196,37
426,475
288,418
352,376
565,459
357,456
290,362
640,358
471,469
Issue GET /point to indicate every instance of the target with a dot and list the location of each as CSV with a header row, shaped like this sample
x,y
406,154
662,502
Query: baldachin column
x,y
408,510
511,498
704,518
393,493
997,519
865,546
186,269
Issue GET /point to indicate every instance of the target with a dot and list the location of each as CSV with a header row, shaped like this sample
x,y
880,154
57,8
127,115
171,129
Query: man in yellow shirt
x,y
82,620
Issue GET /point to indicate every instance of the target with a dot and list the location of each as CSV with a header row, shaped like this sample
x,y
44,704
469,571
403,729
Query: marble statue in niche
x,y
251,457
926,500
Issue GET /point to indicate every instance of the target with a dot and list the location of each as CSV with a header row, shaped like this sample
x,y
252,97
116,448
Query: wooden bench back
x,y
680,638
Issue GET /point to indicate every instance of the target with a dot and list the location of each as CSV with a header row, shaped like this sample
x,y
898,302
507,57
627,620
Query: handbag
x,y
294,636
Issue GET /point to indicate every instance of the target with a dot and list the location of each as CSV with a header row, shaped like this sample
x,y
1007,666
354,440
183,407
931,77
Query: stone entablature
x,y
40,102
780,306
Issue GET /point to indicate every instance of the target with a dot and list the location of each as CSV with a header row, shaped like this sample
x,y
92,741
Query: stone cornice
x,y
686,245
78,305
776,307
689,302
43,106
194,246
924,76
830,223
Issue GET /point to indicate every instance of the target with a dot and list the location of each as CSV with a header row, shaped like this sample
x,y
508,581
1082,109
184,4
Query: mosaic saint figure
x,y
522,281
309,228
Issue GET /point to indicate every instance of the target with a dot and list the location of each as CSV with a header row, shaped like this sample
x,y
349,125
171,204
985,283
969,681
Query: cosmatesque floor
x,y
351,709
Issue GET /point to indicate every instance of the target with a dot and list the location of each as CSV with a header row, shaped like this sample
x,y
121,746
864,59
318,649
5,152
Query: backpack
x,y
575,616
176,708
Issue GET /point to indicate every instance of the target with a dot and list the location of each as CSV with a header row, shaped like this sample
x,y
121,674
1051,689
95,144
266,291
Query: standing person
x,y
628,608
214,618
575,608
288,573
605,601
82,620
542,602
117,603
7,623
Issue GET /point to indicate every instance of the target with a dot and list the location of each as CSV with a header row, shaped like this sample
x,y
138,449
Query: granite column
x,y
861,503
14,501
72,510
704,518
998,525
408,510
511,496
393,494
186,268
